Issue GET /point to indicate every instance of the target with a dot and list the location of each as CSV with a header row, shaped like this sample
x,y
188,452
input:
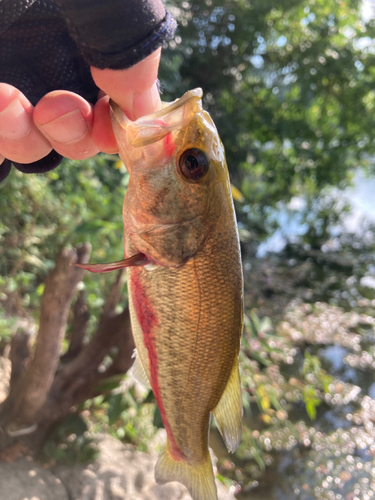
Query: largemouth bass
x,y
184,280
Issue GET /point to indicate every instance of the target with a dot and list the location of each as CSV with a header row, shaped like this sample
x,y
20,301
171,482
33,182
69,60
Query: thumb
x,y
134,89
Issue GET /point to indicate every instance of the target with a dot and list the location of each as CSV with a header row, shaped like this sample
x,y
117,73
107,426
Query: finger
x,y
65,119
20,140
134,89
102,132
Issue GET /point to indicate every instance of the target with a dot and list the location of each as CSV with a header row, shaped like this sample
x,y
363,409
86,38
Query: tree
x,y
75,350
45,385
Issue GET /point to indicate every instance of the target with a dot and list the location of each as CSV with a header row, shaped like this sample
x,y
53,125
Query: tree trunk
x,y
44,387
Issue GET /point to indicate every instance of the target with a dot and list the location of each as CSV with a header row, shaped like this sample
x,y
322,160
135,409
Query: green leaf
x,y
73,424
265,324
311,408
116,406
255,322
258,458
158,422
261,359
150,398
311,401
110,383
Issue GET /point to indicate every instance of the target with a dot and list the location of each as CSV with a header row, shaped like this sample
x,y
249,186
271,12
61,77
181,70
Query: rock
x,y
121,473
26,480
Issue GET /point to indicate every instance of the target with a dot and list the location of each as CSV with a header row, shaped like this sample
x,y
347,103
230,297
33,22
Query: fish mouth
x,y
154,127
168,107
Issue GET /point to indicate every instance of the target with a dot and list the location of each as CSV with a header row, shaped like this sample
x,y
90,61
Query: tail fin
x,y
198,479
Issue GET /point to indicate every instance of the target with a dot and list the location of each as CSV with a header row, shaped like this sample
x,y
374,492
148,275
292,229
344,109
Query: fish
x,y
185,282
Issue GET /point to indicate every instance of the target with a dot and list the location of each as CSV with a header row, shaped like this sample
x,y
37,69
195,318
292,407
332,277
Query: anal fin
x,y
198,478
228,412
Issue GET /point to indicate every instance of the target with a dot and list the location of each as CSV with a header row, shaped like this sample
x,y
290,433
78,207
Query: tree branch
x,y
84,369
29,393
19,353
81,318
72,387
83,373
114,294
121,363
36,402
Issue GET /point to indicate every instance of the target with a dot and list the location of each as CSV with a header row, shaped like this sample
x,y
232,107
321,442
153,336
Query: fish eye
x,y
193,164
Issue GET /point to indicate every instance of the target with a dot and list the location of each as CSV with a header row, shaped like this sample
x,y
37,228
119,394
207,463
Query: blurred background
x,y
291,87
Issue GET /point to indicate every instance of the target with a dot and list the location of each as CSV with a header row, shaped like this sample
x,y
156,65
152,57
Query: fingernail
x,y
147,102
68,128
15,123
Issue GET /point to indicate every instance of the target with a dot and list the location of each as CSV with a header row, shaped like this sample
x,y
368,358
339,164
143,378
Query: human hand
x,y
66,122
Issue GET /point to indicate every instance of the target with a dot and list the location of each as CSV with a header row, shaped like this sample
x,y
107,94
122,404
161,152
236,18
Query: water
x,y
293,225
335,355
332,456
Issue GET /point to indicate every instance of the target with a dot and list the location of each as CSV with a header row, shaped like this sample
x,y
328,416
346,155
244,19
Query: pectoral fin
x,y
135,260
138,372
228,412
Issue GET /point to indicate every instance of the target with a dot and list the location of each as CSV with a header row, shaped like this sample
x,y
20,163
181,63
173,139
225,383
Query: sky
x,y
368,9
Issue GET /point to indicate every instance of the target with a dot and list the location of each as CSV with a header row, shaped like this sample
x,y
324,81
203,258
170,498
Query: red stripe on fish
x,y
148,320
